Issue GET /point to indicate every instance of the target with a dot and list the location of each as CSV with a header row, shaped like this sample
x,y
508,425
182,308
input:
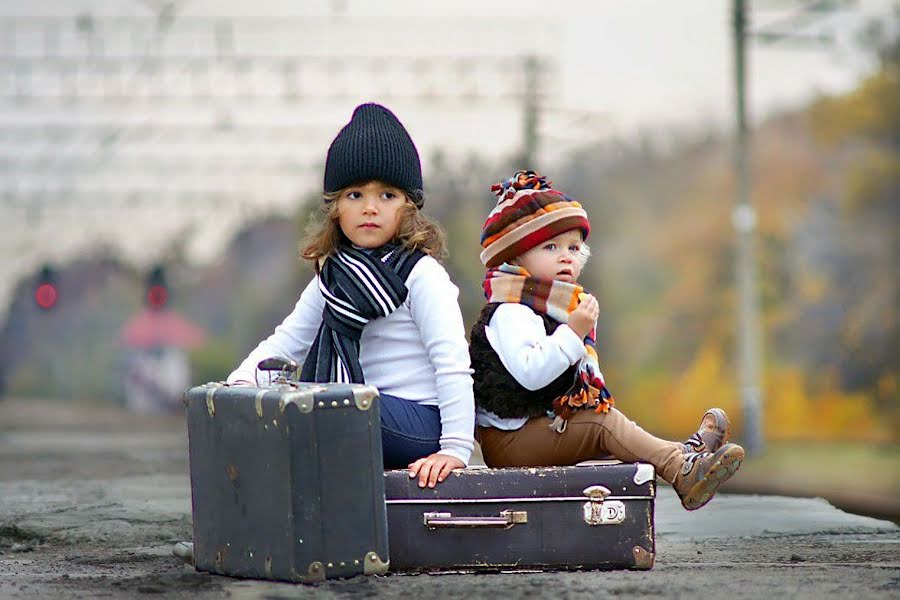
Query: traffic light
x,y
46,292
157,296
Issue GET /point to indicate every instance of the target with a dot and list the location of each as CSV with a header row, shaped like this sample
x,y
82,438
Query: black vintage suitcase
x,y
590,516
287,481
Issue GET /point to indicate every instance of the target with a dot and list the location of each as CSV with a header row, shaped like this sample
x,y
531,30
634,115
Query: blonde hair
x,y
584,253
415,230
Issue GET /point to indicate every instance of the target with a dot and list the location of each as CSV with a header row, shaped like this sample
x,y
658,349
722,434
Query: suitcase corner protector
x,y
315,573
644,473
643,558
373,564
364,395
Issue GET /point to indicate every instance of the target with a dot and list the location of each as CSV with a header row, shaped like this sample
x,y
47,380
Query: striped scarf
x,y
358,286
556,299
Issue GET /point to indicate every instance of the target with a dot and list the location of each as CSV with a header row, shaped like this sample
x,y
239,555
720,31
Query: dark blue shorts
x,y
409,431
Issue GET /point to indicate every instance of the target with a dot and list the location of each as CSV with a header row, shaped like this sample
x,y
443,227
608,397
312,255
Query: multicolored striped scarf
x,y
557,300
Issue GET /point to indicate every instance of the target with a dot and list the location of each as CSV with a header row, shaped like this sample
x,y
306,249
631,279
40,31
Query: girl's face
x,y
558,258
368,213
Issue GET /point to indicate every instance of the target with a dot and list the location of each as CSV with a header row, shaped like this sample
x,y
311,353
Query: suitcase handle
x,y
274,363
445,520
284,369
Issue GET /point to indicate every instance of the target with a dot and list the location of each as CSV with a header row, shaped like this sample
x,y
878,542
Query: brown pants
x,y
588,435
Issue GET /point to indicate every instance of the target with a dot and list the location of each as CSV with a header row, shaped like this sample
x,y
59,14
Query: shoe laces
x,y
691,459
694,442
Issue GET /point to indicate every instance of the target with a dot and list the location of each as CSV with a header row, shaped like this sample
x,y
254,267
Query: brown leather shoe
x,y
714,431
703,473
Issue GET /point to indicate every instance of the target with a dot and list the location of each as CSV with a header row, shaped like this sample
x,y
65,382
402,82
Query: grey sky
x,y
623,66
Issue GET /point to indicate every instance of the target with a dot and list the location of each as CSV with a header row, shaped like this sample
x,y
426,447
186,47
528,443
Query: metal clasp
x,y
600,511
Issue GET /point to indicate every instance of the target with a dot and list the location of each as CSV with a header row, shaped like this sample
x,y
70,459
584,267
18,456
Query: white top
x,y
535,359
418,352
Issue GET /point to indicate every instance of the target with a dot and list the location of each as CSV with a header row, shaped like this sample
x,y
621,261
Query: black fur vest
x,y
496,389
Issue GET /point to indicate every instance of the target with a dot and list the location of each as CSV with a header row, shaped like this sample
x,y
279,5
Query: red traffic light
x,y
46,294
157,296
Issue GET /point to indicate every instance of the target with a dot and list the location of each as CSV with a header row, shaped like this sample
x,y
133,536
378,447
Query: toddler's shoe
x,y
714,431
703,473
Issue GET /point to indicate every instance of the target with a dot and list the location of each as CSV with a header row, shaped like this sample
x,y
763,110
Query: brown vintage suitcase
x,y
287,480
591,516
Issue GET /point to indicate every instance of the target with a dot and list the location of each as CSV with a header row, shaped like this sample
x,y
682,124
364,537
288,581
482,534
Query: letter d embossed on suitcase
x,y
287,480
598,512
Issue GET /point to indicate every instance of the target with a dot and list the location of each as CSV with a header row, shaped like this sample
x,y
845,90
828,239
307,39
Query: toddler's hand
x,y
434,468
584,317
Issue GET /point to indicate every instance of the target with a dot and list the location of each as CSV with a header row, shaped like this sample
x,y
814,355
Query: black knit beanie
x,y
374,145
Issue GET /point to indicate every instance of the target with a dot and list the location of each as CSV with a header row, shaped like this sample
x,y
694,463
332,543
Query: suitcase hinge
x,y
598,510
373,565
303,399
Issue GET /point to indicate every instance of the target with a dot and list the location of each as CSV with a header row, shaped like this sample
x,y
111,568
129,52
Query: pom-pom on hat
x,y
528,213
374,145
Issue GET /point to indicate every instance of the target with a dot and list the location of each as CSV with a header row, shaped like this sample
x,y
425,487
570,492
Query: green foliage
x,y
825,184
213,361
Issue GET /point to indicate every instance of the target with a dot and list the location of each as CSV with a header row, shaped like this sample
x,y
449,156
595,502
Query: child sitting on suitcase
x,y
381,309
540,397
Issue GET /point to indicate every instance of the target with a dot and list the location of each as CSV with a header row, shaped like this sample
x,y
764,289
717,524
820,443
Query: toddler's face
x,y
558,258
368,213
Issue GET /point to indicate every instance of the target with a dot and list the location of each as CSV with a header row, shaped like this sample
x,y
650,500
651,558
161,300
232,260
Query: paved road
x,y
92,499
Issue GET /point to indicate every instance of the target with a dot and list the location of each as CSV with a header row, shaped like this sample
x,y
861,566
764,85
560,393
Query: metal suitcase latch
x,y
598,510
445,520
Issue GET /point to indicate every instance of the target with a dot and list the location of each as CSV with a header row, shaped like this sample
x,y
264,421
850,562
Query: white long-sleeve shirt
x,y
418,352
535,359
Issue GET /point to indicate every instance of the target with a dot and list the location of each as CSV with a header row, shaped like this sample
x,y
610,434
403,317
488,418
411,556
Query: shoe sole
x,y
721,471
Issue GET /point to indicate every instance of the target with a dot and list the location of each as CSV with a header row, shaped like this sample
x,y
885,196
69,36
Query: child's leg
x,y
588,435
409,431
627,441
695,476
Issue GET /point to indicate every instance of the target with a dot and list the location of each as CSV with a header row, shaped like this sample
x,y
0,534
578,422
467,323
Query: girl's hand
x,y
433,469
584,317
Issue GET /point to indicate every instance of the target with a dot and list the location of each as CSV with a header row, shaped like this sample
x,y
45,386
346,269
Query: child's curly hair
x,y
416,230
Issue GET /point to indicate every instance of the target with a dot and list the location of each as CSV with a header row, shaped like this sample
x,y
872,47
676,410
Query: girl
x,y
381,309
536,368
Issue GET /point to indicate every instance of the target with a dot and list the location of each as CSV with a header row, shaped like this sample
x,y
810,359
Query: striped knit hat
x,y
528,213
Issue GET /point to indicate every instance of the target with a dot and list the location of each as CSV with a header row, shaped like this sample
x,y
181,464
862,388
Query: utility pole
x,y
744,220
530,113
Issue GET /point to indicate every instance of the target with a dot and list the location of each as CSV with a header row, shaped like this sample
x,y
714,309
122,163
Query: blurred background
x,y
739,161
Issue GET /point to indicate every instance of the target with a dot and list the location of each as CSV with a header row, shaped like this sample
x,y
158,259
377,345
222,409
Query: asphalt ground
x,y
93,498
